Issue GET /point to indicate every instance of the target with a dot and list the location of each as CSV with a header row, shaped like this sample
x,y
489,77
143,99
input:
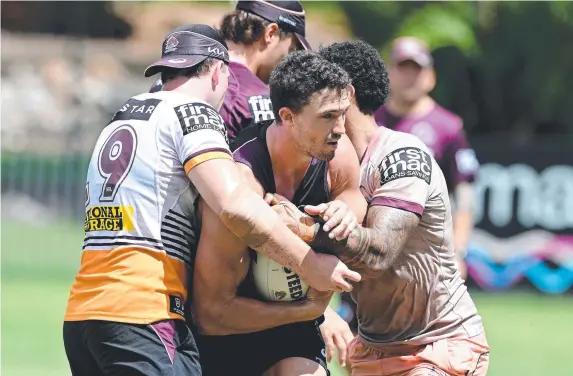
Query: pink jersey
x,y
422,297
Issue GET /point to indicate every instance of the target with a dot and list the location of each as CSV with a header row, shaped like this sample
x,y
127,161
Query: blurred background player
x,y
306,158
411,109
259,35
126,309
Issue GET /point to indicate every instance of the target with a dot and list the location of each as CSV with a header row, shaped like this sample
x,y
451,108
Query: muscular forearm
x,y
374,248
243,315
365,249
256,224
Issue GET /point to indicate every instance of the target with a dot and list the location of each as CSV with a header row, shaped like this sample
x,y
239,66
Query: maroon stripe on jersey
x,y
398,204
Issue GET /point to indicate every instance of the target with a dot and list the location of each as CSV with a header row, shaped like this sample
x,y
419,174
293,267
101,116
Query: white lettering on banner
x,y
543,199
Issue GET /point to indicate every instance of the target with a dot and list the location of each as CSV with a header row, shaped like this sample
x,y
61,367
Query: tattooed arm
x,y
374,248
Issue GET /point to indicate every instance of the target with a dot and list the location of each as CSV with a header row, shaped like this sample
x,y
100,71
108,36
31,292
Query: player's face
x,y
276,50
319,125
409,81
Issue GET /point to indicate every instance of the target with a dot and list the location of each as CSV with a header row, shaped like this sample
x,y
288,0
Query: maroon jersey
x,y
443,134
247,100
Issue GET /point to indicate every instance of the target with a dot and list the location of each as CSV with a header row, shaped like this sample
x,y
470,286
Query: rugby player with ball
x,y
305,157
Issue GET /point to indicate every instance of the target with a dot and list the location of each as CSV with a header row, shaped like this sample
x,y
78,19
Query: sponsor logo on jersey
x,y
135,109
176,305
261,108
294,285
406,162
194,117
109,218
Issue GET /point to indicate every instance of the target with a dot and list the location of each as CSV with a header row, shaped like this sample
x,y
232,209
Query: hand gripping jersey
x,y
140,233
421,298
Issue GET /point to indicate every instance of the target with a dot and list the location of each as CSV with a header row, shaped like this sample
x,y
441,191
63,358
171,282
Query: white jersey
x,y
140,231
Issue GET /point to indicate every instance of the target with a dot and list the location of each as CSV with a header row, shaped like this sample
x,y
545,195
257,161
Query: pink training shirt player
x,y
247,100
422,297
443,134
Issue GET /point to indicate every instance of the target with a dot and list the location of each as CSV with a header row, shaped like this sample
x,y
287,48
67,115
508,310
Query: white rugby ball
x,y
275,282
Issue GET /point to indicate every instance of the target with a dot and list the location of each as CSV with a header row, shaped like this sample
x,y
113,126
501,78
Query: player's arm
x,y
221,264
344,174
208,163
393,216
463,167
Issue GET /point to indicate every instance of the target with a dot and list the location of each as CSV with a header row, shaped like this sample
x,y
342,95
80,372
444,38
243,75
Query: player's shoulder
x,y
345,157
449,122
398,139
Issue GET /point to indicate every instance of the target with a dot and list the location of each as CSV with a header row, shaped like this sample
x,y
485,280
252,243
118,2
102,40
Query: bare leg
x,y
296,367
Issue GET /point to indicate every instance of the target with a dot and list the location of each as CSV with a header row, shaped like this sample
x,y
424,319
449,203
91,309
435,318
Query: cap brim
x,y
422,60
174,61
303,42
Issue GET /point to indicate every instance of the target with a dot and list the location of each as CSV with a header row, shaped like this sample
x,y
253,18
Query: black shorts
x,y
106,348
253,353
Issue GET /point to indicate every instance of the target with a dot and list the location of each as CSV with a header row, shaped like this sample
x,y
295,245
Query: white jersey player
x,y
160,152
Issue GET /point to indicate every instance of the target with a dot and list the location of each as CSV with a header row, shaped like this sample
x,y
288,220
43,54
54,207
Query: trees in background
x,y
503,66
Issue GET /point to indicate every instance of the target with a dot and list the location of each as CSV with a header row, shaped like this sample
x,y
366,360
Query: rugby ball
x,y
275,282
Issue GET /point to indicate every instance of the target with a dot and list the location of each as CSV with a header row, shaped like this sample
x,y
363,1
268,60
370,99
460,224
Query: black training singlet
x,y
250,148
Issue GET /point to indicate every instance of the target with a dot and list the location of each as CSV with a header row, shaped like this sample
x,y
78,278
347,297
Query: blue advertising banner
x,y
523,217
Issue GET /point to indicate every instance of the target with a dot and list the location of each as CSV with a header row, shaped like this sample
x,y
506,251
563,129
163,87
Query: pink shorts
x,y
447,357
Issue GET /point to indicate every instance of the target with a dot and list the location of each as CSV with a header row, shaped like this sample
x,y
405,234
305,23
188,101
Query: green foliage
x,y
503,66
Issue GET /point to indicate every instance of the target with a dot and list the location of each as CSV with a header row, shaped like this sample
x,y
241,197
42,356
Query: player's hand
x,y
298,222
338,216
337,336
327,273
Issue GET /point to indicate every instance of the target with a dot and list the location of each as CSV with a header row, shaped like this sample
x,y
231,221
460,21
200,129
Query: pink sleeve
x,y
404,180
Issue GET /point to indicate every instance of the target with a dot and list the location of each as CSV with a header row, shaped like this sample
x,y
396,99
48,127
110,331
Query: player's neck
x,y
198,88
360,128
410,109
244,55
289,163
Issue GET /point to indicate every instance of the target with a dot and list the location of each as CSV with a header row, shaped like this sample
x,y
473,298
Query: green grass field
x,y
527,332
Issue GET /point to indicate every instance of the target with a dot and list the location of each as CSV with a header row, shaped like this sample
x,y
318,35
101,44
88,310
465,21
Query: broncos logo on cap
x,y
171,44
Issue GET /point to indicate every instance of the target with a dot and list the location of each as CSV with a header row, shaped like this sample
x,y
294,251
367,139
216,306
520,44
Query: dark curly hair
x,y
366,69
301,74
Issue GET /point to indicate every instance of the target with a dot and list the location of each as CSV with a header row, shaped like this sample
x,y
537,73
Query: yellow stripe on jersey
x,y
109,218
195,161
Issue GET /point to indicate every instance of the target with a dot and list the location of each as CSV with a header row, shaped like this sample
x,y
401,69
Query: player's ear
x,y
216,75
287,116
429,79
351,91
272,32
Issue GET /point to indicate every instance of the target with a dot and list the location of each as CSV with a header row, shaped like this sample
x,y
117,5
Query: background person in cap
x,y
411,109
126,310
259,35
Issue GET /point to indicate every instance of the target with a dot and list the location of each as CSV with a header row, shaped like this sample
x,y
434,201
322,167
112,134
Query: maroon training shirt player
x,y
410,109
259,35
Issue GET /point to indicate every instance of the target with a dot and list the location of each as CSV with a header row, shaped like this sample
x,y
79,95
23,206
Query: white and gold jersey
x,y
140,231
